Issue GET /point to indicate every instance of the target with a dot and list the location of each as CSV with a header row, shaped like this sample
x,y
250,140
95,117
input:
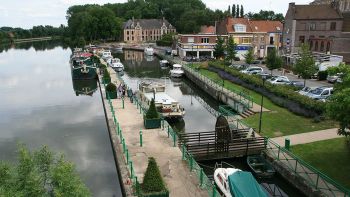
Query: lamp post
x,y
192,55
262,103
223,78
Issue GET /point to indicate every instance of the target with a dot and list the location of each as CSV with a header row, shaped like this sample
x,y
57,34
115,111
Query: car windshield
x,y
317,91
306,89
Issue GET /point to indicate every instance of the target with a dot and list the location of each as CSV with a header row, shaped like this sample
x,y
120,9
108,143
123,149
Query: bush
x,y
95,59
284,96
322,75
153,181
152,111
111,88
106,74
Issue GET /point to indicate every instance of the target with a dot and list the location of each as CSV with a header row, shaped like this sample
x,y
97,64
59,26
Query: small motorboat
x,y
164,62
176,71
233,182
260,167
116,64
149,51
106,55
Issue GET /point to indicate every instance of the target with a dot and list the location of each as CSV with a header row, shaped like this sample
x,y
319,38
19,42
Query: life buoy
x,y
128,181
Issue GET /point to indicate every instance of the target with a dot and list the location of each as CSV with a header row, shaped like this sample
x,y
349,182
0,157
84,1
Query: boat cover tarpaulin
x,y
243,184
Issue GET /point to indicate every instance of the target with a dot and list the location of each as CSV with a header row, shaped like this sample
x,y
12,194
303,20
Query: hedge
x,y
282,95
153,181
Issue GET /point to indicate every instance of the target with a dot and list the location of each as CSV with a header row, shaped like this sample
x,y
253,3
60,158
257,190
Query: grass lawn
x,y
279,121
332,157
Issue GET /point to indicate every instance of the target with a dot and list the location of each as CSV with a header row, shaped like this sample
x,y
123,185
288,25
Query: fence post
x,y
123,142
296,166
174,139
131,170
278,154
168,131
201,177
214,191
183,151
191,162
127,156
287,143
140,137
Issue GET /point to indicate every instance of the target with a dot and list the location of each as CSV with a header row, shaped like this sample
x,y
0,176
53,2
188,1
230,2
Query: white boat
x,y
149,51
165,105
176,71
164,63
235,182
116,64
106,55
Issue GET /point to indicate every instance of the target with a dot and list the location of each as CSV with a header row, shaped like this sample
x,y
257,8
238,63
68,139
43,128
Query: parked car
x,y
333,78
281,80
297,84
320,93
239,66
305,90
252,70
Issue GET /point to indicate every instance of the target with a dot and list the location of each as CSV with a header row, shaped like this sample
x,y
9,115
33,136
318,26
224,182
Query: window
x,y
127,32
328,46
246,40
333,26
262,39
316,46
205,40
322,46
312,26
301,39
272,41
190,40
239,28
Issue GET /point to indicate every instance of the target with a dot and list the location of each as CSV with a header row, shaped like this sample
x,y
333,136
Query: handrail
x,y
332,187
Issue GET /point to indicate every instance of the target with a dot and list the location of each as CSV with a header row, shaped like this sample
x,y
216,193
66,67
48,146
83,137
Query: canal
x,y
40,105
200,107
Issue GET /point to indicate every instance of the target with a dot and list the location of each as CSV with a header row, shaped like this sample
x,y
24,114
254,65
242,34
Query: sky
x,y
27,13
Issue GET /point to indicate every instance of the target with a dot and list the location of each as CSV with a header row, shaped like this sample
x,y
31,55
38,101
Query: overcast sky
x,y
26,13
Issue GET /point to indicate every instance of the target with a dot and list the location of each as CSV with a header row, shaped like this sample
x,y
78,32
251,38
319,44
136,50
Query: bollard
x,y
287,143
123,102
201,177
140,137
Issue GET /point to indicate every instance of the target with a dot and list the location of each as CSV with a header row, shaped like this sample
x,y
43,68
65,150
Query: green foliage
x,y
36,175
339,104
237,11
152,111
305,65
241,14
249,57
322,75
167,40
111,87
273,60
106,75
219,48
153,181
266,15
231,49
233,12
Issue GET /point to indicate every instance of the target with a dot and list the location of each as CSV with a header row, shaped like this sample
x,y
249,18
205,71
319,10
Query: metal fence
x,y
314,177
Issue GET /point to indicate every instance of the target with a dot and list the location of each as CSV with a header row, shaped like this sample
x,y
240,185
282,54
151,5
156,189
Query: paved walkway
x,y
304,138
174,170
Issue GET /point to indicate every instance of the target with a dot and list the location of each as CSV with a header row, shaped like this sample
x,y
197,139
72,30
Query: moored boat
x,y
233,182
149,51
166,106
164,63
260,167
106,54
116,64
176,71
82,66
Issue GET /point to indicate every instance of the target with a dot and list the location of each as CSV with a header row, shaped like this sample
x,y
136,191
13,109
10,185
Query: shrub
x,y
153,181
152,111
322,75
106,74
111,87
95,59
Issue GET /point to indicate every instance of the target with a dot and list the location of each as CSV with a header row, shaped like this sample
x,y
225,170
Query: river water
x,y
39,106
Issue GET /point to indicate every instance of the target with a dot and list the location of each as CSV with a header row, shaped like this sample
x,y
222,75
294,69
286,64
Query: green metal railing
x,y
314,177
240,97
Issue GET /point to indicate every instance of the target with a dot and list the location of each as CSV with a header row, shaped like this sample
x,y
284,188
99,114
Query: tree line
x,y
8,34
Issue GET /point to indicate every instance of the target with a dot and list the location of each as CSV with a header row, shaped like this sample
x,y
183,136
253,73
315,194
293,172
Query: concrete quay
x,y
179,180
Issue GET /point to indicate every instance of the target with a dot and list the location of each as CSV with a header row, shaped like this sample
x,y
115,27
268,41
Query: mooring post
x,y
140,137
123,102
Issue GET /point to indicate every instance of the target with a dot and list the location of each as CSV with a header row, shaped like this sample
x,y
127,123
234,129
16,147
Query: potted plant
x,y
153,183
111,91
152,119
106,77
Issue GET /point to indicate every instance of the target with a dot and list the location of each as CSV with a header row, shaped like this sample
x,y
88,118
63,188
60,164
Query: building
x,y
257,34
197,45
146,30
342,5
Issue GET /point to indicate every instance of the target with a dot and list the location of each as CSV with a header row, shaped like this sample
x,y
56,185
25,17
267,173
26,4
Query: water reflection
x,y
39,107
84,87
38,46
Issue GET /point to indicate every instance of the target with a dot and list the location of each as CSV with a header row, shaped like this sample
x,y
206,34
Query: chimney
x,y
291,4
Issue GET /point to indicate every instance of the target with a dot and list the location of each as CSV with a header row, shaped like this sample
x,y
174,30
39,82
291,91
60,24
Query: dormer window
x,y
239,28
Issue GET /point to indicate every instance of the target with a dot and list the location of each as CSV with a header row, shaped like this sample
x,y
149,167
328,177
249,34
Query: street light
x,y
262,102
192,55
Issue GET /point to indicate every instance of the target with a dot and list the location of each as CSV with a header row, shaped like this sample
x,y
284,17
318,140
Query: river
x,y
39,106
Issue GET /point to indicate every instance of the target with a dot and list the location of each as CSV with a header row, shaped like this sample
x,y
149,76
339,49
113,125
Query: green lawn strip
x,y
279,121
331,157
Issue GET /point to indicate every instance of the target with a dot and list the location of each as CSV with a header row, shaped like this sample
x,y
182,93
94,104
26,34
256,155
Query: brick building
x,y
146,30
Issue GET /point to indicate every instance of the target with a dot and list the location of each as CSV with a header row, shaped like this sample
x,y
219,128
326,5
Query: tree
x,y
266,15
339,104
152,111
237,11
273,60
305,64
41,173
153,181
233,12
242,12
231,49
229,9
249,56
219,50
